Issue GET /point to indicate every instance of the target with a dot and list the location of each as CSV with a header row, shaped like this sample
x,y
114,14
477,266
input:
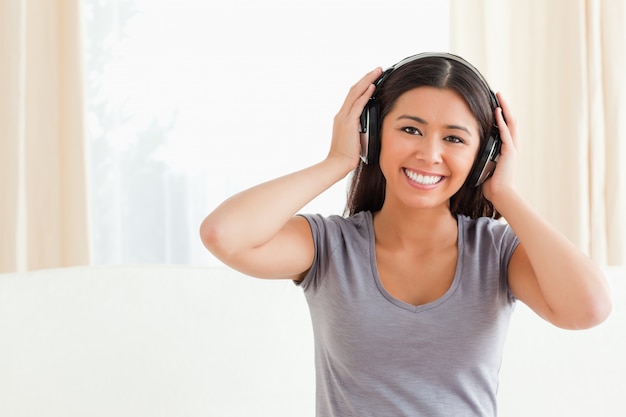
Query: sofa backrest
x,y
185,341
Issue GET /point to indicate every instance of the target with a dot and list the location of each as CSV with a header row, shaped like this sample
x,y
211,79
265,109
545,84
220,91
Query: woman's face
x,y
429,142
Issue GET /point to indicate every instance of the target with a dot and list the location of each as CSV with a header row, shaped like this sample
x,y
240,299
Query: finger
x,y
361,102
507,113
364,87
505,120
505,133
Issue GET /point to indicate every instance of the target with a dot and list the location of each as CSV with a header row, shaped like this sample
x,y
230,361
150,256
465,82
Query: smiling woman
x,y
424,150
427,280
191,101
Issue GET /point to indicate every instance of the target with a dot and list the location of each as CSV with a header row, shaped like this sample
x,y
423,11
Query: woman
x,y
411,293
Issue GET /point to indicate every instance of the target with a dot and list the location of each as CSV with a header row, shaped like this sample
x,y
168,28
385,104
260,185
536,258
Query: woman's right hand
x,y
257,231
345,142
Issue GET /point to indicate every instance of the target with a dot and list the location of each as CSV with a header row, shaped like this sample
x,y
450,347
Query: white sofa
x,y
194,341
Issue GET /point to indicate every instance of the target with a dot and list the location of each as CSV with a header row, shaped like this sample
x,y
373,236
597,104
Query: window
x,y
191,101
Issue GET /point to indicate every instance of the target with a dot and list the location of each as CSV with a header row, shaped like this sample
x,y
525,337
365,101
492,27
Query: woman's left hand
x,y
503,176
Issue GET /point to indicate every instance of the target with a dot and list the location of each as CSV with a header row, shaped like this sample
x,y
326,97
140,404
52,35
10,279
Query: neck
x,y
427,228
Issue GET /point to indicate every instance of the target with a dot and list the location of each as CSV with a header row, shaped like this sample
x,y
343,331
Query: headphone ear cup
x,y
373,131
486,163
364,132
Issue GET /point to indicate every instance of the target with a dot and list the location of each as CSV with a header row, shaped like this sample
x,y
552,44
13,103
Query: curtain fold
x,y
561,64
44,208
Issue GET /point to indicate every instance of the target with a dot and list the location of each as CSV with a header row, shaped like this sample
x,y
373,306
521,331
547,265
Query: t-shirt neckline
x,y
402,304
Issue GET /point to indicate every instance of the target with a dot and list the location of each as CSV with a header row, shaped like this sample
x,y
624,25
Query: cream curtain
x,y
43,208
562,65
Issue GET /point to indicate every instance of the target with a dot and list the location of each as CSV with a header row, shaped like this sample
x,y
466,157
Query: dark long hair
x,y
367,187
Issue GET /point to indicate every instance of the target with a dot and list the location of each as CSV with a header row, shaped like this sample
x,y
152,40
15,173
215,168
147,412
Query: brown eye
x,y
454,139
411,130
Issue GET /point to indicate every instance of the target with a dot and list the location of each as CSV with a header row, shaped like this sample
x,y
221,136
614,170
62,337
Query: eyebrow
x,y
424,122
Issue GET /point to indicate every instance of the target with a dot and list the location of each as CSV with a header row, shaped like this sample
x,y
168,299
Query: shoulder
x,y
484,229
340,244
486,237
335,226
487,246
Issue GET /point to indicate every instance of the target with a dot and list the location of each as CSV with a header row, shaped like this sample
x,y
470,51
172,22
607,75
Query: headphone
x,y
370,122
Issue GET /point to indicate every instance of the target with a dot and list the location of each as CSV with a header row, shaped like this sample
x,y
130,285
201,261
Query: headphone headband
x,y
446,55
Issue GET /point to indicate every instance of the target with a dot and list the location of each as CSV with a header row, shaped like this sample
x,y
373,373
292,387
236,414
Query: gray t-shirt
x,y
378,356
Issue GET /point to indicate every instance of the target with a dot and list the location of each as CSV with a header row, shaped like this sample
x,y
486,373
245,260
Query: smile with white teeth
x,y
422,179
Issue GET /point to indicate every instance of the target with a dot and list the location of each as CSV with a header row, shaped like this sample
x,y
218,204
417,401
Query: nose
x,y
429,150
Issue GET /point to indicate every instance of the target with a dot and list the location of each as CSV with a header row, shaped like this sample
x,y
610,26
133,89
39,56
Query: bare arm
x,y
551,275
547,272
256,232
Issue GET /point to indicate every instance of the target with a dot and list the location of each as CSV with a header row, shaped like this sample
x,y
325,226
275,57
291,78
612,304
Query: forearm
x,y
245,224
572,285
251,218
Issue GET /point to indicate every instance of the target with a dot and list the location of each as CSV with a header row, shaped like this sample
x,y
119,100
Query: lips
x,y
422,179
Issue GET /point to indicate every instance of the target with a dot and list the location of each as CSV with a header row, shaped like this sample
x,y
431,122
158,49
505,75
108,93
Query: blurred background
x,y
125,122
